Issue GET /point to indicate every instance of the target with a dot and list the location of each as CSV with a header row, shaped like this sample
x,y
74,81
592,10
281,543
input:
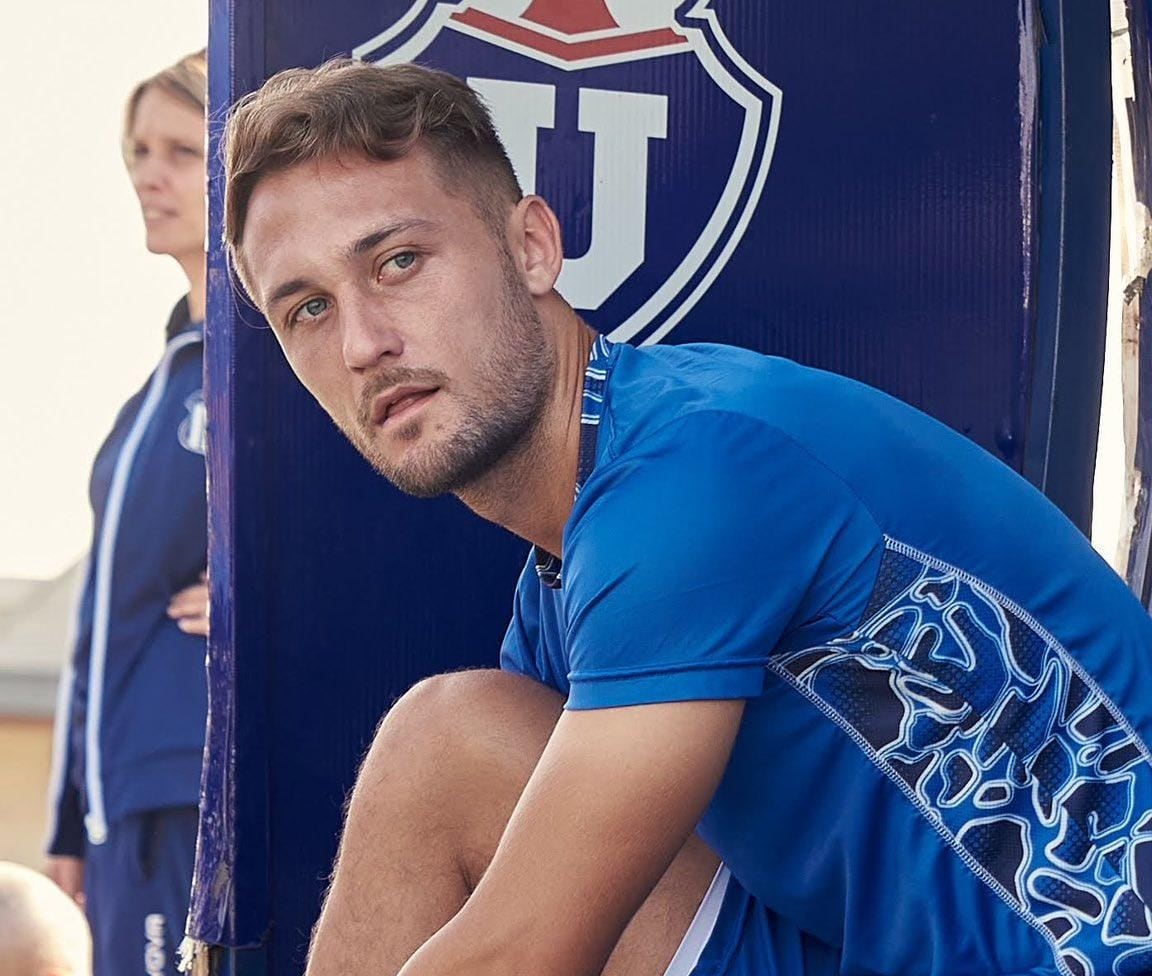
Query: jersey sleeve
x,y
691,556
520,651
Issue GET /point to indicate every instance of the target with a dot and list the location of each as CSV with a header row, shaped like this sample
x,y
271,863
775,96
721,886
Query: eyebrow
x,y
369,241
287,289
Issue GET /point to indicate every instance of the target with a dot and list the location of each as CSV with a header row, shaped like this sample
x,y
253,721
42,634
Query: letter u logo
x,y
622,123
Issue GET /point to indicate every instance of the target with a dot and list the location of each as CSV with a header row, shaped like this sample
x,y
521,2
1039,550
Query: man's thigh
x,y
475,739
658,928
735,934
698,920
432,801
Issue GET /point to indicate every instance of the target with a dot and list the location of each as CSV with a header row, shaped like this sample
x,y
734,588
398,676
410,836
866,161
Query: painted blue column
x,y
1073,208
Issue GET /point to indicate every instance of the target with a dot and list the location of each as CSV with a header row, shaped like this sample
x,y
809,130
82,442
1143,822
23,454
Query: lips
x,y
395,403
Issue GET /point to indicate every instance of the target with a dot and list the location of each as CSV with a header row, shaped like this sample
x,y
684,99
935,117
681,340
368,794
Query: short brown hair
x,y
186,80
351,108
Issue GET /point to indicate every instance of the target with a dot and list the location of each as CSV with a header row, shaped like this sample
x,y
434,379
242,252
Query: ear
x,y
537,232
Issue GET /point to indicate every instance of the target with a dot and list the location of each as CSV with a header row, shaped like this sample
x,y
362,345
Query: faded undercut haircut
x,y
348,109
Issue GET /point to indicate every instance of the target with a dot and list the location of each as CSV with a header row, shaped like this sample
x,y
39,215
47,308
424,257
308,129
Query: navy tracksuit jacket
x,y
133,704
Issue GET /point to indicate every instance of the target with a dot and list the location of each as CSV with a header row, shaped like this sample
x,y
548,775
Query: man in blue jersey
x,y
797,681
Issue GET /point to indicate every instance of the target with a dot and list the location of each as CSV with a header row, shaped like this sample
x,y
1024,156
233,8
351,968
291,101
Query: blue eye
x,y
394,270
311,309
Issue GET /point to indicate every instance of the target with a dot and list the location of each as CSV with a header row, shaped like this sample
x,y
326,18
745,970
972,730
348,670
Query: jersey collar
x,y
595,379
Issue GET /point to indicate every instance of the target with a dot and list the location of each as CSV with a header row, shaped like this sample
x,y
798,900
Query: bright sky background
x,y
84,303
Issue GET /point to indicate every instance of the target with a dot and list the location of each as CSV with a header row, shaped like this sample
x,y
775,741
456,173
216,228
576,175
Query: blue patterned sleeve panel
x,y
1008,749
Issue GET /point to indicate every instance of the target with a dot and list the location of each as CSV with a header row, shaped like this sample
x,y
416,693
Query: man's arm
x,y
615,796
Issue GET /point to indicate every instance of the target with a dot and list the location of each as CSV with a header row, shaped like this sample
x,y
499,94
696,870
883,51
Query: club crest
x,y
655,174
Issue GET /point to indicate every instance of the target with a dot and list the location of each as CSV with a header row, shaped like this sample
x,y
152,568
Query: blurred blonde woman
x,y
130,723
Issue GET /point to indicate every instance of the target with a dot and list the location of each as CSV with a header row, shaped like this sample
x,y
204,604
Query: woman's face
x,y
166,164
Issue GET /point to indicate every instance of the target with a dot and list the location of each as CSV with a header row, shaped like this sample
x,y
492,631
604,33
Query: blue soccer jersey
x,y
943,766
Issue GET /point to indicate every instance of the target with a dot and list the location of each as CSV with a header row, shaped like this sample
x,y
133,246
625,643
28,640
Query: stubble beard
x,y
497,424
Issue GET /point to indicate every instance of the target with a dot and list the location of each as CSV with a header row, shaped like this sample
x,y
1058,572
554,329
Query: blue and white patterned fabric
x,y
943,765
595,375
1007,747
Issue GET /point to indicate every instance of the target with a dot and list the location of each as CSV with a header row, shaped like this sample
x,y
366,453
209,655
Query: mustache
x,y
388,378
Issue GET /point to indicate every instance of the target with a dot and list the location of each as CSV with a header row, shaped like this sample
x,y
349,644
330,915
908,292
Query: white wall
x,y
83,304
1128,258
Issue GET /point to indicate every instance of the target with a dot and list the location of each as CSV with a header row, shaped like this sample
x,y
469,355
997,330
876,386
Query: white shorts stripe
x,y
700,931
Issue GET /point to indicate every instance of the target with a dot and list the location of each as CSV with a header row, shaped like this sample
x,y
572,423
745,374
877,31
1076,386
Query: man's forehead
x,y
297,190
354,172
334,196
326,213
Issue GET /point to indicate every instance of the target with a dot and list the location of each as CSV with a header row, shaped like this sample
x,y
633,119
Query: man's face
x,y
403,315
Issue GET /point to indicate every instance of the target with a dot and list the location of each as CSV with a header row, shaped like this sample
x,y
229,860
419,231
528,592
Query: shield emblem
x,y
655,174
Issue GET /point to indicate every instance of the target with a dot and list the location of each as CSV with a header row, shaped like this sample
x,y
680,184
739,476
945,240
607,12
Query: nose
x,y
367,335
147,172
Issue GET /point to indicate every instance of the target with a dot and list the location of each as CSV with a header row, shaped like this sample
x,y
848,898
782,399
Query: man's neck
x,y
531,494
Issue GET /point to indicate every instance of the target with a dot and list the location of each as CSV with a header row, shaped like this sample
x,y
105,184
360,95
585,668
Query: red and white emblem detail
x,y
576,34
564,33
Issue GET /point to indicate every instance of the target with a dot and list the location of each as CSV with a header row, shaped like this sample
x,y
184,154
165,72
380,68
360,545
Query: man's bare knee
x,y
466,711
461,737
453,755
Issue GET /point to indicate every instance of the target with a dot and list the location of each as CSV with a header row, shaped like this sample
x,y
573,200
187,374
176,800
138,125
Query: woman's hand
x,y
189,608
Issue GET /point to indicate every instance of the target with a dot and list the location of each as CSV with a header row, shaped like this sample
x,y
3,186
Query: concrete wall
x,y
35,617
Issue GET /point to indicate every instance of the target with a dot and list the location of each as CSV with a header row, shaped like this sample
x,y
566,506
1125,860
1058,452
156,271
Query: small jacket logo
x,y
655,174
155,956
193,432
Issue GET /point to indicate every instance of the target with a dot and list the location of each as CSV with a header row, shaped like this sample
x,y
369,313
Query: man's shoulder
x,y
704,376
654,387
711,440
681,393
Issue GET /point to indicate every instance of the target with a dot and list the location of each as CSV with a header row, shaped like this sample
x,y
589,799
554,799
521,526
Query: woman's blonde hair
x,y
186,80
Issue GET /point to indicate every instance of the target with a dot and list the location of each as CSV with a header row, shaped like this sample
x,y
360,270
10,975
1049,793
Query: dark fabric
x,y
150,674
67,836
137,886
749,939
178,320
